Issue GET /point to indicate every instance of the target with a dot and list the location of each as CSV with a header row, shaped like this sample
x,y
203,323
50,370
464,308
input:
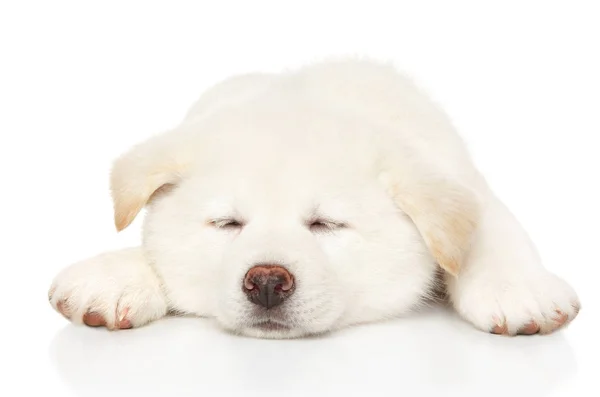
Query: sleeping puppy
x,y
303,202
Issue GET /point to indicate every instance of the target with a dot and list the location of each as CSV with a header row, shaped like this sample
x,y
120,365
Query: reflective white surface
x,y
429,353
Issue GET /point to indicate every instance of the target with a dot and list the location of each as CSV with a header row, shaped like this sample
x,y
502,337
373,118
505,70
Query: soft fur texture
x,y
344,173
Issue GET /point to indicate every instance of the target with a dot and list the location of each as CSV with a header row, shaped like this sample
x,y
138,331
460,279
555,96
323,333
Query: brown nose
x,y
268,285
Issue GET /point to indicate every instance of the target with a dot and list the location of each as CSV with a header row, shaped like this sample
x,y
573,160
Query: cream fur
x,y
352,141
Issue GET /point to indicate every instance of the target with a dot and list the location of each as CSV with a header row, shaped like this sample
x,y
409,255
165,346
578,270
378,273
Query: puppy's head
x,y
281,223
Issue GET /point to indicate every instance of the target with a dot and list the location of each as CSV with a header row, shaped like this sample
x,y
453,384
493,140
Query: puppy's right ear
x,y
141,171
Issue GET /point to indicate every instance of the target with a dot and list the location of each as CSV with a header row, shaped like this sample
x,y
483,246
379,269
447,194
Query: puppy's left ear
x,y
445,213
141,171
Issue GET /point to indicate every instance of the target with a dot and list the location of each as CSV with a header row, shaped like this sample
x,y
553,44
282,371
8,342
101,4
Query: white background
x,y
81,81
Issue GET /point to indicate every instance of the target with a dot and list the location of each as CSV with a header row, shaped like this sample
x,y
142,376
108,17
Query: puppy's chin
x,y
272,330
264,332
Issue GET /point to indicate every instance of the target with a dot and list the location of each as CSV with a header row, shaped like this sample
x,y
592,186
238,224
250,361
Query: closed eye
x,y
322,225
227,223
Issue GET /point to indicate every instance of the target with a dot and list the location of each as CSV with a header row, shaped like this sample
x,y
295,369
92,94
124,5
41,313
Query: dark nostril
x,y
268,285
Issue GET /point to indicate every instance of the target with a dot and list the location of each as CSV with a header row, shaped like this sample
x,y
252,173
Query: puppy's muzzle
x,y
268,285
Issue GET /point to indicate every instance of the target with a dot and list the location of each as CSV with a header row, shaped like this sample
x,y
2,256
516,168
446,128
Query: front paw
x,y
539,303
112,291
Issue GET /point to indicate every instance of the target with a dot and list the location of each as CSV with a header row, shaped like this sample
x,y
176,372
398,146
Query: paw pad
x,y
529,329
94,319
500,329
552,324
63,308
561,319
122,322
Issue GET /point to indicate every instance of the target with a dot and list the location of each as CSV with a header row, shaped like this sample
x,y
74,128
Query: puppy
x,y
298,203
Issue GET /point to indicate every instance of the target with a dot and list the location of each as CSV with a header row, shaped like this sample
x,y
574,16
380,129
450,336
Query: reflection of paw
x,y
542,303
108,291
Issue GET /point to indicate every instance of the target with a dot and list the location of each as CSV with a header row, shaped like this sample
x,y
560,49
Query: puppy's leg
x,y
503,288
117,290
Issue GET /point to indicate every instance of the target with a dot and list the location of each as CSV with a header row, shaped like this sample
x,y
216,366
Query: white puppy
x,y
299,203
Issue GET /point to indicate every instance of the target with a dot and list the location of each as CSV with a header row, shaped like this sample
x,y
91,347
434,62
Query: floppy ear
x,y
140,172
445,213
